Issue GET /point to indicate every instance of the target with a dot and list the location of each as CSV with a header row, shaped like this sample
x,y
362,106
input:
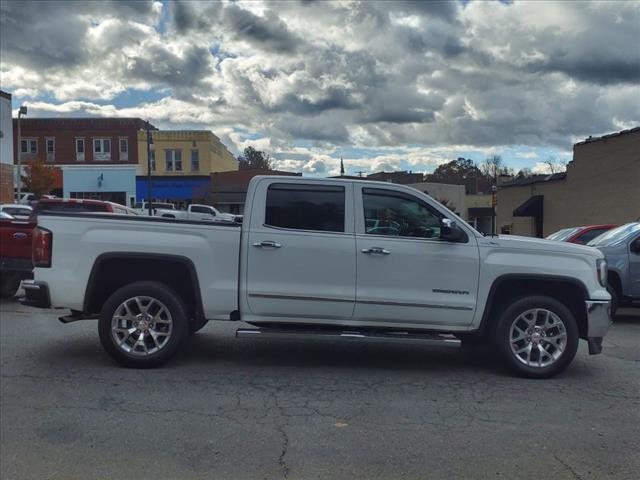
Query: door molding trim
x,y
298,297
420,305
365,302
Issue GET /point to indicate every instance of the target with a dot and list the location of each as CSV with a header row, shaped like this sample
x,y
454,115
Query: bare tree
x,y
554,166
493,167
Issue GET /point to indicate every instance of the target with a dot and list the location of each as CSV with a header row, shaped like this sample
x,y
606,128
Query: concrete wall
x,y
602,185
453,194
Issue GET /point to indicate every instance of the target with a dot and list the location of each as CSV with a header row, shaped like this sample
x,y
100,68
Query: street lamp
x,y
149,147
21,111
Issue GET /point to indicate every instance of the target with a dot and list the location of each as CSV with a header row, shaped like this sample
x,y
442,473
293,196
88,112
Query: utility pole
x,y
494,202
149,146
21,111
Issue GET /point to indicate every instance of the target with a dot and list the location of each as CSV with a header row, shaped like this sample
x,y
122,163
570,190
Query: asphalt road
x,y
256,409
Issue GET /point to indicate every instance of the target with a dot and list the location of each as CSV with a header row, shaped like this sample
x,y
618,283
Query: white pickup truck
x,y
328,258
198,212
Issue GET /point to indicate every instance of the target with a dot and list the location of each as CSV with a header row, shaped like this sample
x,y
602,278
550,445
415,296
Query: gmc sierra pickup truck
x,y
327,258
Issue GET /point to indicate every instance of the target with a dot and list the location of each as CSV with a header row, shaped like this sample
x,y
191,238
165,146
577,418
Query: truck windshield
x,y
615,236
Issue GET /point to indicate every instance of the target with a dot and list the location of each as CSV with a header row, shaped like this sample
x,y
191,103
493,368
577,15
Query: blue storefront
x,y
178,190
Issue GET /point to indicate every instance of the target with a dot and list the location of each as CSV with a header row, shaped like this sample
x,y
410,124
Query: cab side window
x,y
306,207
398,214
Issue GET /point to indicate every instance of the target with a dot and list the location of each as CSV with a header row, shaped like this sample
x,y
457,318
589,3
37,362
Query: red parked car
x,y
79,206
16,237
581,235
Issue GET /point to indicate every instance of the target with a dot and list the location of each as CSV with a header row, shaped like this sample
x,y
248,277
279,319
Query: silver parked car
x,y
621,247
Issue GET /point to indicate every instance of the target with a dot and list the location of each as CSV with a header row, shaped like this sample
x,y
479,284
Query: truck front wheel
x,y
537,336
143,324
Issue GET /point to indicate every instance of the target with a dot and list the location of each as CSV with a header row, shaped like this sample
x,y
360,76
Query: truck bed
x,y
212,249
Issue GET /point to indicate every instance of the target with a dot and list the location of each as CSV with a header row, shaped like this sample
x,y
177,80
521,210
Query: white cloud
x,y
411,83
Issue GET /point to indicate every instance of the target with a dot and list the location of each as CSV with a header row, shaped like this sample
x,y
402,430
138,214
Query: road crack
x,y
568,467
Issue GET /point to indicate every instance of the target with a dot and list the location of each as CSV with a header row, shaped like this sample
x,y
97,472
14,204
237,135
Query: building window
x,y
305,207
80,149
173,160
123,149
50,144
195,160
153,160
28,145
102,149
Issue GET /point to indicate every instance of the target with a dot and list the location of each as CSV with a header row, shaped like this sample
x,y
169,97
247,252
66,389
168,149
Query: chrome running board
x,y
436,339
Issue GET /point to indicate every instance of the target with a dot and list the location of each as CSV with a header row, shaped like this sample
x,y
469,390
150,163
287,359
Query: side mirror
x,y
451,232
635,246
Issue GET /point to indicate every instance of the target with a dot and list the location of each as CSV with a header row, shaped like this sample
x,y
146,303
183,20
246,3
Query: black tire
x,y
9,285
502,336
174,342
615,299
197,325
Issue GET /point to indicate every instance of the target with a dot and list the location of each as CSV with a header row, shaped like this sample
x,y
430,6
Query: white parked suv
x,y
329,258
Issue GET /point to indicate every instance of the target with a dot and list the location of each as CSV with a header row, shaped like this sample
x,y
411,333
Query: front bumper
x,y
36,294
598,322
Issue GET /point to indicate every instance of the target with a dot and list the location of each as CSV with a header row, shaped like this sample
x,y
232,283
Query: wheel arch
x,y
615,280
175,271
506,288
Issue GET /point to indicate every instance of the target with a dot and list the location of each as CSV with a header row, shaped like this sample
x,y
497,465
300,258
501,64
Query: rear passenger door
x,y
300,256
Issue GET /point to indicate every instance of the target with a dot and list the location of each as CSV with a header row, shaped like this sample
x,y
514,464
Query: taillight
x,y
42,242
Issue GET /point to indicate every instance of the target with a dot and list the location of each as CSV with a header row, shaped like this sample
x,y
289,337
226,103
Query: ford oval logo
x,y
20,236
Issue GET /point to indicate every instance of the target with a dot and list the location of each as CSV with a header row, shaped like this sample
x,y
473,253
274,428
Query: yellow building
x,y
184,153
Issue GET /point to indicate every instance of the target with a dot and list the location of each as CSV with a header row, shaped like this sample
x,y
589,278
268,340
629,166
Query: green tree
x,y
462,171
254,159
40,178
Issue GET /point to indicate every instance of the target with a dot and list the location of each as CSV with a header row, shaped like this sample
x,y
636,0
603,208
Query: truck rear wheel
x,y
537,336
9,285
143,324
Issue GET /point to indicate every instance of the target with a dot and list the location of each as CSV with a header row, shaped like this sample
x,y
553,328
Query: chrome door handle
x,y
376,251
267,243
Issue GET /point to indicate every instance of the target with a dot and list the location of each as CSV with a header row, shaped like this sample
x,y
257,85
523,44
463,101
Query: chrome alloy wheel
x,y
538,337
141,326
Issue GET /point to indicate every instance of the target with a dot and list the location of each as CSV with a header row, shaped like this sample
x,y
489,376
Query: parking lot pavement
x,y
243,409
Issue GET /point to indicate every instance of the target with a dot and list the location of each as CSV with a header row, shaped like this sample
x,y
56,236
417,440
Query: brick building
x,y
600,186
229,189
6,149
98,156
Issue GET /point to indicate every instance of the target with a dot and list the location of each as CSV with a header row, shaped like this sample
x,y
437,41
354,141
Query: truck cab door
x,y
299,253
407,275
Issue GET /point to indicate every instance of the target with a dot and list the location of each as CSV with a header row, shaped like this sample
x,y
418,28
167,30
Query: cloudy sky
x,y
384,84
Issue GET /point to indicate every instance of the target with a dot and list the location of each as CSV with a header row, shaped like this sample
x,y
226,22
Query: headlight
x,y
601,267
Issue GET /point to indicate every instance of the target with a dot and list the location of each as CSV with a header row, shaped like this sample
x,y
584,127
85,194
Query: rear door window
x,y
306,207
